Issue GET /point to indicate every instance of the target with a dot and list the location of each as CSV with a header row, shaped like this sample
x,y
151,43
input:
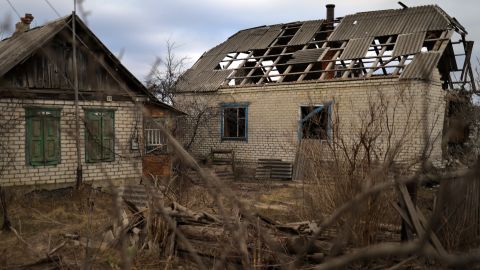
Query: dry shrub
x,y
357,156
335,184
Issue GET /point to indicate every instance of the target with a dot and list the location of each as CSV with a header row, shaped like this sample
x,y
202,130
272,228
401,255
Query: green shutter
x,y
100,135
35,140
51,140
43,136
93,136
108,135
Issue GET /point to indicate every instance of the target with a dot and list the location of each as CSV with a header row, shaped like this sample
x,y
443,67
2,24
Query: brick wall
x,y
127,164
274,113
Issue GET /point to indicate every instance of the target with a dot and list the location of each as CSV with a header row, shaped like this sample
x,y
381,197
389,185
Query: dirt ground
x,y
47,220
43,218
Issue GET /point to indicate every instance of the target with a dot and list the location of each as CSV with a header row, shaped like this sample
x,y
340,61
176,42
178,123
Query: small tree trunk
x,y
3,203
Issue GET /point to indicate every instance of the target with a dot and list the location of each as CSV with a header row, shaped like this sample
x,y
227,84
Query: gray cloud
x,y
141,28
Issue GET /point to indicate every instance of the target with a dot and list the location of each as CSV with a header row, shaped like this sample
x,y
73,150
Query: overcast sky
x,y
141,28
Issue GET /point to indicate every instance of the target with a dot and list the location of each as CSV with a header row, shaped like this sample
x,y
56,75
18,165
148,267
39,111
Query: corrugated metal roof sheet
x,y
306,32
306,56
359,29
408,44
356,48
251,39
203,81
390,22
268,37
421,66
13,50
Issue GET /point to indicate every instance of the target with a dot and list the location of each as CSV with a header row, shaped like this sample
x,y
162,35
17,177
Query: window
x,y
154,139
234,121
43,136
315,122
99,135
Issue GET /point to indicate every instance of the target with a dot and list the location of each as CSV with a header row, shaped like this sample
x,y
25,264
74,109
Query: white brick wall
x,y
274,112
127,164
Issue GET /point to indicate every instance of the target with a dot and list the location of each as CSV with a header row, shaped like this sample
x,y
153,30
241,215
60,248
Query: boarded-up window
x,y
315,122
99,135
234,121
43,136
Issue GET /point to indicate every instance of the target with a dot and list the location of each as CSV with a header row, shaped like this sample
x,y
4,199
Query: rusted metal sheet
x,y
408,44
391,22
421,66
306,32
356,48
306,56
14,50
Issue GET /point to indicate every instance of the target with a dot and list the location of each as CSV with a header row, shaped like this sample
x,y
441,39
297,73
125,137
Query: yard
x,y
66,229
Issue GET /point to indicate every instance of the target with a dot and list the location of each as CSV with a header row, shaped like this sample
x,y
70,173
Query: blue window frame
x,y
315,122
234,121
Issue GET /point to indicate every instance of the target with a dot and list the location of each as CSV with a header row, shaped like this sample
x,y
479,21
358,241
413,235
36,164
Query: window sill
x,y
42,165
234,139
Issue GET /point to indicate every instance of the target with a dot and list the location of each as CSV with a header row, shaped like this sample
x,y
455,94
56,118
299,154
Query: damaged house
x,y
281,88
118,139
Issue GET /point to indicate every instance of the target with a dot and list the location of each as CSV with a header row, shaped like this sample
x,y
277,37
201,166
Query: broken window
x,y
315,122
234,121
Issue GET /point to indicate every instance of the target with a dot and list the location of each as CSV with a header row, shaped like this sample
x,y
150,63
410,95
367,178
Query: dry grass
x,y
43,217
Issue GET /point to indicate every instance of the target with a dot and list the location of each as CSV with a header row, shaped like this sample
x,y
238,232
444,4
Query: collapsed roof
x,y
403,43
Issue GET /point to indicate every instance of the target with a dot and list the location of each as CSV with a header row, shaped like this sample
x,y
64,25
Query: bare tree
x,y
9,122
165,73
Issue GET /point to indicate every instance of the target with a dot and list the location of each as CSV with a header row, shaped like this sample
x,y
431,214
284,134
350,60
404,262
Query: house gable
x,y
46,69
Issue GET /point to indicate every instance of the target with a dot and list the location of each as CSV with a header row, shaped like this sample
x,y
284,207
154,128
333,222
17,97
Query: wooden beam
x,y
271,67
378,59
257,65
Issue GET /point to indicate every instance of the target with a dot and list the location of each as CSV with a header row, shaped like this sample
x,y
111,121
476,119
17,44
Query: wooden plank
x,y
416,216
411,209
402,214
433,237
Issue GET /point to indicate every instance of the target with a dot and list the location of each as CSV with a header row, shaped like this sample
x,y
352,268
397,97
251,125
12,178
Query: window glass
x,y
234,122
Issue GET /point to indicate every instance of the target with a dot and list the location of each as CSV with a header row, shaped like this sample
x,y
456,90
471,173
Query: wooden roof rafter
x,y
362,45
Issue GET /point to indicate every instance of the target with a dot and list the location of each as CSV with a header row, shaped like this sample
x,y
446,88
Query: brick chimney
x,y
330,16
330,12
24,24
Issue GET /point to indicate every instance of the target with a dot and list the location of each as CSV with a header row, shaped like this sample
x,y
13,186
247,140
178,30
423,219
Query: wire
x,y
53,8
14,9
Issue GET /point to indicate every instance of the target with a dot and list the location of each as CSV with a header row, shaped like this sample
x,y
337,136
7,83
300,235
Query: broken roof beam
x,y
401,64
266,76
231,60
310,66
289,68
378,59
311,72
235,70
330,64
257,65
